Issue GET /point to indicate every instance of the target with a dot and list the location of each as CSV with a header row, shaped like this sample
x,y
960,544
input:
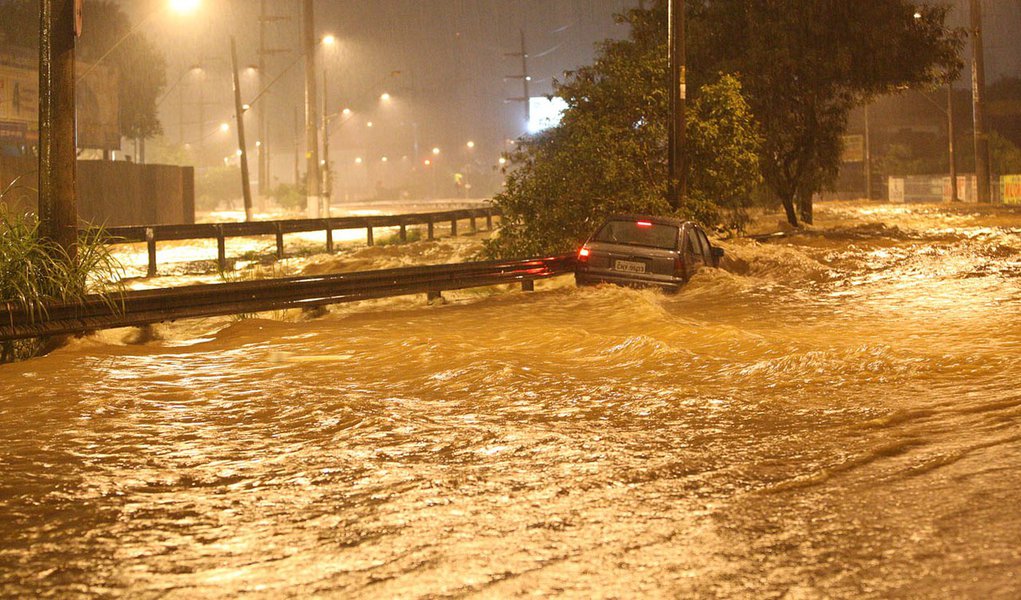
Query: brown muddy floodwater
x,y
838,415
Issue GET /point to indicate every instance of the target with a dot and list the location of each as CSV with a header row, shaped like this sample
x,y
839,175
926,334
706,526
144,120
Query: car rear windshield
x,y
639,233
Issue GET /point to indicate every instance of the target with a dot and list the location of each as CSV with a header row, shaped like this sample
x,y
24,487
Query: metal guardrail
x,y
154,306
152,234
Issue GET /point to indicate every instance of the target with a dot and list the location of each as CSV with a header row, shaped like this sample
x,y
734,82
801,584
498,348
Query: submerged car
x,y
644,251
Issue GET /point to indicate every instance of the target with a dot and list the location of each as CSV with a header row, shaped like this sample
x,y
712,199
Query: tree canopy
x,y
775,84
806,63
608,155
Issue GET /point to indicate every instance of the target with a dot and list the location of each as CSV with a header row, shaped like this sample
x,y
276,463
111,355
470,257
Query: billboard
x,y
97,97
1010,189
853,148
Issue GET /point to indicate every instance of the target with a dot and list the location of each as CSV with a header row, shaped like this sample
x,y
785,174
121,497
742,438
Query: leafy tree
x,y
608,155
806,63
141,66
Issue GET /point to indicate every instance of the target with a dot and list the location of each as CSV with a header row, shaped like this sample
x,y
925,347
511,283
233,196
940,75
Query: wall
x,y
112,193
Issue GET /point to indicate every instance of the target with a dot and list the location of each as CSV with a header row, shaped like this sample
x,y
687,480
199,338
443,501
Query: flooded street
x,y
838,414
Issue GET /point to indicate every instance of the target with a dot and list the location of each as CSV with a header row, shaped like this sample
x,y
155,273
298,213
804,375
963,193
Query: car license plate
x,y
629,266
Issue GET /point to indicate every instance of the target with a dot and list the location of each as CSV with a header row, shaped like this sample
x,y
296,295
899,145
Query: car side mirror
x,y
718,252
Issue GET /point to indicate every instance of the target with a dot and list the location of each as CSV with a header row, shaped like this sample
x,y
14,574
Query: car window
x,y
638,233
693,246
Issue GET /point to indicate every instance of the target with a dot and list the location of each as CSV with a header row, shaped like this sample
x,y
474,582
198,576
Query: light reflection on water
x,y
837,415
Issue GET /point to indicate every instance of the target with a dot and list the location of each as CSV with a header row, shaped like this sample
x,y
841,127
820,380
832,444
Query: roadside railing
x,y
146,307
151,235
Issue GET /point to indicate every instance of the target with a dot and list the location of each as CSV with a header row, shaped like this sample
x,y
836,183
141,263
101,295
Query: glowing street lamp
x,y
329,39
225,127
346,112
436,151
385,97
184,7
471,145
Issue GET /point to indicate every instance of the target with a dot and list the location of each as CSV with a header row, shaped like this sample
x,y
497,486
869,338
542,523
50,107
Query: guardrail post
x,y
404,234
280,242
432,230
474,228
528,286
453,227
221,248
329,237
489,220
150,242
368,238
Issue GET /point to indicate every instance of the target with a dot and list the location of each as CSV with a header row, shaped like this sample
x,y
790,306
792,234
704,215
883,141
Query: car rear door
x,y
691,251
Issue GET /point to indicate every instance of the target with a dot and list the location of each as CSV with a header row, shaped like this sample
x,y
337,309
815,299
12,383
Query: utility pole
x,y
954,196
526,79
263,141
58,210
677,171
265,169
311,110
297,148
867,163
327,171
978,91
239,115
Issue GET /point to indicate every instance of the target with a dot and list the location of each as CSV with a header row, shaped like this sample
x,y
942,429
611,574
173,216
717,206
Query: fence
x,y
221,231
1006,189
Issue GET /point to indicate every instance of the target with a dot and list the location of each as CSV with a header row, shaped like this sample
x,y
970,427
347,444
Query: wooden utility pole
x,y
239,115
58,208
978,92
677,171
311,111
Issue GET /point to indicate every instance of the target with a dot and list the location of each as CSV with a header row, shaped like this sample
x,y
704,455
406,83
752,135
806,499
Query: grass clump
x,y
35,271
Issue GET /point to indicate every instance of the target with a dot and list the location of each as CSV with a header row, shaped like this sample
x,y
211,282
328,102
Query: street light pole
x,y
676,170
311,111
327,171
239,111
58,210
978,87
868,157
263,149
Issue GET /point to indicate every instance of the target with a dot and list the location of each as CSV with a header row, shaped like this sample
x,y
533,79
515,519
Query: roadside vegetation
x,y
771,86
34,271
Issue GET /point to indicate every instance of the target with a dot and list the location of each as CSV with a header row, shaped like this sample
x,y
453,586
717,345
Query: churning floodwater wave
x,y
835,414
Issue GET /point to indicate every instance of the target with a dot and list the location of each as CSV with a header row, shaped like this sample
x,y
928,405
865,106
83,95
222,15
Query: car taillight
x,y
644,224
583,254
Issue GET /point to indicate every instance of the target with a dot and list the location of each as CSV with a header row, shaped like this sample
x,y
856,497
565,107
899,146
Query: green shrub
x,y
34,271
288,195
217,185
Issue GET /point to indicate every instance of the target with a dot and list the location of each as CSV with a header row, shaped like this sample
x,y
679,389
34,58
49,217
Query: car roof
x,y
650,218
